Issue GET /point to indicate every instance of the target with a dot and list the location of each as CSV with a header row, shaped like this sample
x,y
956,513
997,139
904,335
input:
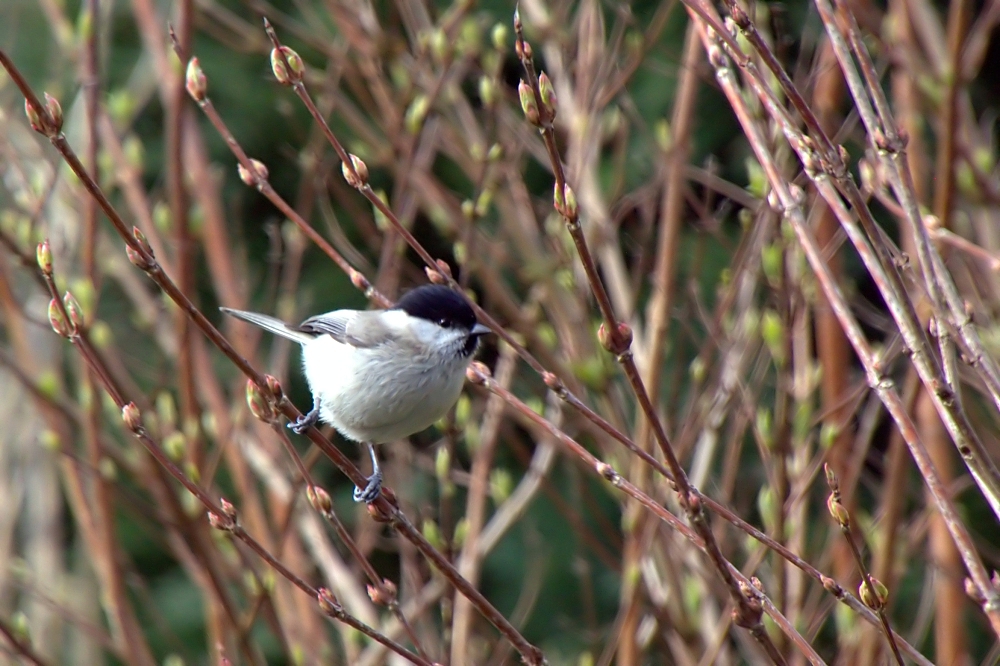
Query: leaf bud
x,y
58,320
254,177
618,343
838,511
222,523
358,176
274,386
34,119
383,594
142,241
548,94
73,310
499,36
564,201
227,508
327,602
487,91
258,404
55,114
131,416
136,258
195,81
477,372
44,255
873,598
528,103
289,69
319,499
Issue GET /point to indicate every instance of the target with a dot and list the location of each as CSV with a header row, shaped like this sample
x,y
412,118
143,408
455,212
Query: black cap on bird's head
x,y
442,306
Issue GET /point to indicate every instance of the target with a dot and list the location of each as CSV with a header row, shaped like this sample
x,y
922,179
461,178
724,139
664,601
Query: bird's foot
x,y
371,491
304,422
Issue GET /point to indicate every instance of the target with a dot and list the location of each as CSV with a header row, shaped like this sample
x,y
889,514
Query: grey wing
x,y
357,328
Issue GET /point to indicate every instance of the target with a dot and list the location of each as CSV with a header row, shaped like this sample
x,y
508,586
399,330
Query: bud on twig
x,y
320,500
838,511
195,81
58,320
221,523
327,602
616,344
44,255
444,268
73,310
873,598
227,508
548,94
34,119
360,282
252,178
434,276
528,103
258,404
477,372
274,386
141,239
291,73
358,176
131,417
564,201
55,113
383,594
136,258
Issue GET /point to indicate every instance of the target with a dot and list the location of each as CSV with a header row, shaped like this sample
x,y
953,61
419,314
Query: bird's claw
x,y
371,491
304,422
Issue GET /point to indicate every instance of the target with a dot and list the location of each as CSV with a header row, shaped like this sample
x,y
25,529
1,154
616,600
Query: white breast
x,y
368,398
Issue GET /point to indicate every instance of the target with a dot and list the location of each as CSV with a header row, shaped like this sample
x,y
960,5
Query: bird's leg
x,y
306,421
370,492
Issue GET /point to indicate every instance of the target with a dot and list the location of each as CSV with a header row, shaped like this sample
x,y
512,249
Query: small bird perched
x,y
382,375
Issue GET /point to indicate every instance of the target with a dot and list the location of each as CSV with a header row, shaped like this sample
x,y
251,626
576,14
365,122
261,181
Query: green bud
x,y
767,505
772,262
772,330
501,485
802,421
107,468
664,136
175,445
528,103
442,464
432,533
291,73
463,410
756,180
828,434
765,427
500,36
166,409
697,369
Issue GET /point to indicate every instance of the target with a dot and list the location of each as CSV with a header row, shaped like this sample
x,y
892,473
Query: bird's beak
x,y
479,329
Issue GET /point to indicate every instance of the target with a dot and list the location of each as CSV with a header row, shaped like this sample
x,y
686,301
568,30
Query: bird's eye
x,y
444,323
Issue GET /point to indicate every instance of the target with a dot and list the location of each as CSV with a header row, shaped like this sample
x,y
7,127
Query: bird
x,y
381,375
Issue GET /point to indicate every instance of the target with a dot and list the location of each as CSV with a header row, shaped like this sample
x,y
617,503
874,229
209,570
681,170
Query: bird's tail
x,y
271,324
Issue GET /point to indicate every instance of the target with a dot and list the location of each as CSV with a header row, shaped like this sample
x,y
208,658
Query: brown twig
x,y
873,593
